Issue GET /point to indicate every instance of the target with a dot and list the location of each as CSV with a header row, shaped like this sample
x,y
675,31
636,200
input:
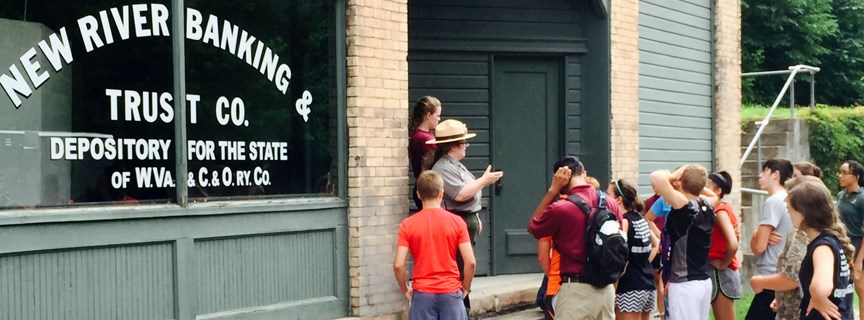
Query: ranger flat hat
x,y
451,130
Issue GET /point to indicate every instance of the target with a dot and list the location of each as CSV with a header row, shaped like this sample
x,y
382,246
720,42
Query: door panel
x,y
525,142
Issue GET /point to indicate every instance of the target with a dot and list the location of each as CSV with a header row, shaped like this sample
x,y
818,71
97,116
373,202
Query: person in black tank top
x,y
635,296
825,276
689,225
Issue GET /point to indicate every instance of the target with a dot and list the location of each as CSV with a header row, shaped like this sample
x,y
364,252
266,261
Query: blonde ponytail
x,y
839,231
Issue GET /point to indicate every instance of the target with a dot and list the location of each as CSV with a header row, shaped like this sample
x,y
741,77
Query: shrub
x,y
836,135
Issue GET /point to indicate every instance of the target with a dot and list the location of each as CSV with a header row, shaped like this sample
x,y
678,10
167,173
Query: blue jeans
x,y
437,306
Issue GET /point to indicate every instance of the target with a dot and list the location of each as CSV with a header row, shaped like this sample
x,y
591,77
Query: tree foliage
x,y
777,34
841,81
824,33
836,135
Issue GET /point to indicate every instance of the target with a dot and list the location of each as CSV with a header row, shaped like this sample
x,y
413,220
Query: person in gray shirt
x,y
462,191
774,219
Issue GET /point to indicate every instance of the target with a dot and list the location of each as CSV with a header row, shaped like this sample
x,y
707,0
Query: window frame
x,y
183,207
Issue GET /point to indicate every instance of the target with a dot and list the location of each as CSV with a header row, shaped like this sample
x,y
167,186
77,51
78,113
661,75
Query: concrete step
x,y
743,210
490,297
527,314
768,139
768,152
776,125
751,182
501,293
751,168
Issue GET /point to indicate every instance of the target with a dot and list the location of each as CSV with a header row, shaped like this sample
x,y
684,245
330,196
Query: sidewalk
x,y
491,295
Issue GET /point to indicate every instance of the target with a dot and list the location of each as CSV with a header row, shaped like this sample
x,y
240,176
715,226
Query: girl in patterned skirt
x,y
635,296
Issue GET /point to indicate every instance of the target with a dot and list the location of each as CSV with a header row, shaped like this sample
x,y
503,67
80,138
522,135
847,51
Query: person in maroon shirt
x,y
565,223
424,118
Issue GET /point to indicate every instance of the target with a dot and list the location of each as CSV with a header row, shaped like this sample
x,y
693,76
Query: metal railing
x,y
789,86
749,223
750,219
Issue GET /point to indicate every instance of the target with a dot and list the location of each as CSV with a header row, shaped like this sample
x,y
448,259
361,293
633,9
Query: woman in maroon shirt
x,y
424,118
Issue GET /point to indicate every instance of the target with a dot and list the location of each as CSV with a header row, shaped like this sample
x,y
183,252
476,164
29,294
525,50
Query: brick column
x,y
377,38
624,16
727,92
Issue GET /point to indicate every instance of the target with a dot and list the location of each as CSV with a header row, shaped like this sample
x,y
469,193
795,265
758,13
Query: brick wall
x,y
624,16
727,92
377,39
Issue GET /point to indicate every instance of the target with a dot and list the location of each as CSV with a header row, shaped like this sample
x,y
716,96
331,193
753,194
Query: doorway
x,y
526,141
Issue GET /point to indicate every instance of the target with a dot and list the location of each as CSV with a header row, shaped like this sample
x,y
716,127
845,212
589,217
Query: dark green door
x,y
526,110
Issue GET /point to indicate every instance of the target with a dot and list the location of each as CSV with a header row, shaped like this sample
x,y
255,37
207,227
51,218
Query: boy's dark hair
x,y
572,162
783,166
429,185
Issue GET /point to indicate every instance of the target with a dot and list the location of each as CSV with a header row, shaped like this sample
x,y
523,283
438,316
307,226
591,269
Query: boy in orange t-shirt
x,y
434,236
550,262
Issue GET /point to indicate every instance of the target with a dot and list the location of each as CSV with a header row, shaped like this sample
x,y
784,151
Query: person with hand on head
x,y
566,223
825,274
635,296
689,224
850,204
434,237
424,118
774,220
726,281
462,191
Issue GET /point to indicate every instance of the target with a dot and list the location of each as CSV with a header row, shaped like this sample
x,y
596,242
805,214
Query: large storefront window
x,y
87,101
264,71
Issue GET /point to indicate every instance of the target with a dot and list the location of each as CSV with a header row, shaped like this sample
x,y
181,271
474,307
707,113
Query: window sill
x,y
122,212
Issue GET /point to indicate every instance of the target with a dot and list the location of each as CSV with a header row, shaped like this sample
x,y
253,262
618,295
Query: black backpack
x,y
606,247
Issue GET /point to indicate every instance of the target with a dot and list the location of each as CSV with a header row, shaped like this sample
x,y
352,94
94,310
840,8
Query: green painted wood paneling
x,y
681,121
451,44
527,112
671,62
496,26
654,165
658,107
573,105
275,234
662,144
595,149
680,12
672,136
139,262
686,156
263,270
675,86
461,81
673,73
127,282
54,236
677,27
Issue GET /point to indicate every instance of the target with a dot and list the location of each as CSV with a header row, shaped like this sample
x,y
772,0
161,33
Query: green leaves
x,y
825,33
836,135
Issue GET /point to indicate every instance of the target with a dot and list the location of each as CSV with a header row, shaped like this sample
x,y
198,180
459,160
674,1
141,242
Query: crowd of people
x,y
607,254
